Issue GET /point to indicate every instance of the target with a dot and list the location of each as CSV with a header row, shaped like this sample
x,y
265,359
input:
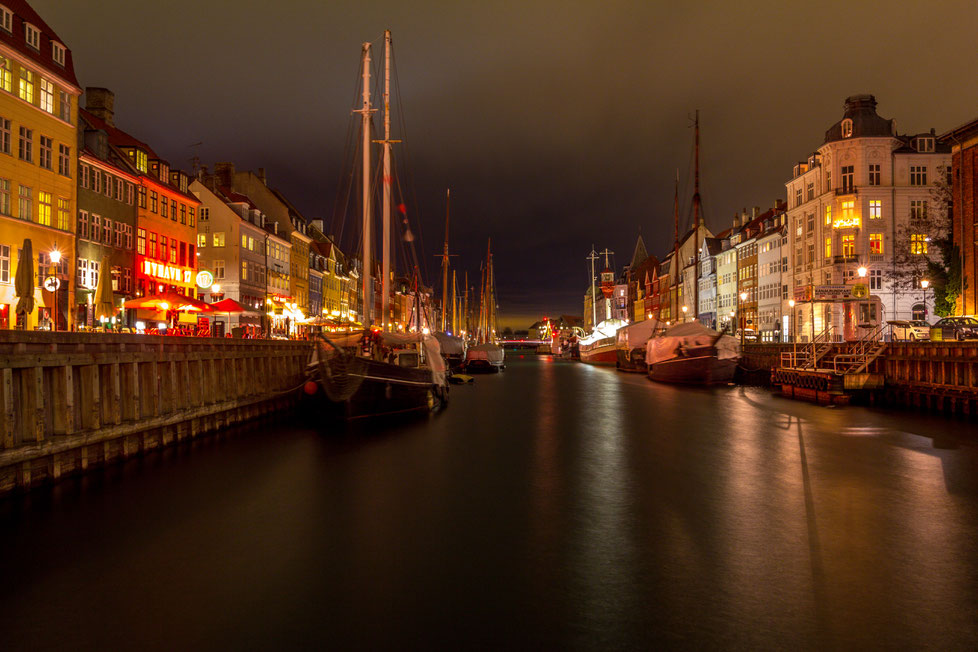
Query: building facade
x,y
38,161
963,142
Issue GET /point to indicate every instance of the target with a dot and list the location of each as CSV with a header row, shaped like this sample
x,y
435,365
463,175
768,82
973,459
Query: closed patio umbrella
x,y
104,306
24,282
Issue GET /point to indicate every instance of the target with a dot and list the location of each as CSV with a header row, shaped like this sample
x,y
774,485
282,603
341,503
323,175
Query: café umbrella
x,y
231,307
24,282
104,308
168,301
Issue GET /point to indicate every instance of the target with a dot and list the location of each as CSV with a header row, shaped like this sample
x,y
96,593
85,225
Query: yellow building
x,y
38,161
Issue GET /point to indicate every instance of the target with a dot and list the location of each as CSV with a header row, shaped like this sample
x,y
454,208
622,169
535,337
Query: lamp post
x,y
791,327
685,309
55,259
743,298
924,284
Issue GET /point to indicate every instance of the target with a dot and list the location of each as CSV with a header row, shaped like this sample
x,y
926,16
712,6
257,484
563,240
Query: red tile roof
x,y
23,12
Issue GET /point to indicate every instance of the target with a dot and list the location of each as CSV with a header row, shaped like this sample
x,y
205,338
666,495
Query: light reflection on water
x,y
553,506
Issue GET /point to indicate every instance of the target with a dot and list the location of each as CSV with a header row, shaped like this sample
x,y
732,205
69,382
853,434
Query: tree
x,y
925,249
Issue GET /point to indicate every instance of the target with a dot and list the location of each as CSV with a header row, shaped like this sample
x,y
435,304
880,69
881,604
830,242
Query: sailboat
x,y
599,346
452,345
691,352
377,371
486,354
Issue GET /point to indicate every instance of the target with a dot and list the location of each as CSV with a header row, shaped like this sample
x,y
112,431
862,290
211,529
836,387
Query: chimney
x,y
736,221
100,102
319,225
261,176
756,211
225,173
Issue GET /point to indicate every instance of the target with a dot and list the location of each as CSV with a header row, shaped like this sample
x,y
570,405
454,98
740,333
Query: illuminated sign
x,y
204,279
167,272
846,222
52,283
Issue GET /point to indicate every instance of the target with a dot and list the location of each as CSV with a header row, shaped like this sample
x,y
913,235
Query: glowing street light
x,y
55,257
862,271
924,283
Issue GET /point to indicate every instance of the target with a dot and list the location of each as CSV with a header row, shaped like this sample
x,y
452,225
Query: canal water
x,y
553,506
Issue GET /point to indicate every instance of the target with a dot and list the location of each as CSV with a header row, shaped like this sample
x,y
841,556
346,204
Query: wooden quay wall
x,y
70,402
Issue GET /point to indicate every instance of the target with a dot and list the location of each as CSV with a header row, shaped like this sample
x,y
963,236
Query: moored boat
x,y
486,357
599,346
630,344
691,353
452,349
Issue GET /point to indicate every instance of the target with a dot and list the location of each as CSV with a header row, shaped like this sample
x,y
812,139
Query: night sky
x,y
557,125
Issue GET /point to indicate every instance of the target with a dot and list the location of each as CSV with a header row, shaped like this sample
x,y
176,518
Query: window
x,y
875,209
25,147
828,247
810,191
848,217
6,77
847,178
205,213
218,270
201,240
6,20
183,254
83,225
93,269
109,179
120,190
58,53
161,252
925,144
107,231
81,265
4,135
96,227
918,175
918,209
116,277
811,253
142,161
44,208
849,246
129,194
875,279
874,174
4,264
142,197
918,244
47,95
828,215
183,213
141,241
84,174
218,239
163,206
193,220
151,252
244,241
27,85
4,196
64,160
129,237
847,128
120,231
798,197
191,256
828,178
127,280
32,35
173,209
26,208
876,243
64,213
811,222
64,106
97,180
44,160
154,199
173,251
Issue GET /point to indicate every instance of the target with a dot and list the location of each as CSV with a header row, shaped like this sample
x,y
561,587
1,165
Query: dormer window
x,y
58,53
141,160
847,128
33,36
925,144
6,20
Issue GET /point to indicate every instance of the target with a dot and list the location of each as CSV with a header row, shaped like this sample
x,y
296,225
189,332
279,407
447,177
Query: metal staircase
x,y
860,354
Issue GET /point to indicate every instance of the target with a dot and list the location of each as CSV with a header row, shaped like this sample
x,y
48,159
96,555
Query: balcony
x,y
845,190
841,260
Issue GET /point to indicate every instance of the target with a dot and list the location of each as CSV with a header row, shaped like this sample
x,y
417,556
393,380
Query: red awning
x,y
169,301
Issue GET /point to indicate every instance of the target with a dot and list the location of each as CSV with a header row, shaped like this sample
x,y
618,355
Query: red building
x,y
964,177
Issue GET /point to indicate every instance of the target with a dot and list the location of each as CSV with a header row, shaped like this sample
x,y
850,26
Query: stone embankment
x,y
70,402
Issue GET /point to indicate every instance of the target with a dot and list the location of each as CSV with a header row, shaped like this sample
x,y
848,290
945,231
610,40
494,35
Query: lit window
x,y
58,53
44,208
875,209
47,95
846,128
27,85
828,247
141,241
848,246
6,77
876,243
218,240
142,161
918,243
4,196
828,215
26,208
201,240
32,35
63,213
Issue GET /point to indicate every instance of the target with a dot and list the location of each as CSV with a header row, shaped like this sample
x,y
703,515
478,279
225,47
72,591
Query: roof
x,y
861,110
117,137
23,12
236,197
640,253
713,246
966,130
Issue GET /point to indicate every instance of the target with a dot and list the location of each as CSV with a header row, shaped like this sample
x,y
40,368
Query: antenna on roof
x,y
195,159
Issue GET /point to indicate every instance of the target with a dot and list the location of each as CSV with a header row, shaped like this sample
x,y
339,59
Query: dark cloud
x,y
556,124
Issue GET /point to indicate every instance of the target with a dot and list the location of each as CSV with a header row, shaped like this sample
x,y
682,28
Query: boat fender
x,y
311,387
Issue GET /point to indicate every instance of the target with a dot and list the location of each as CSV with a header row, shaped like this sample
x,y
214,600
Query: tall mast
x,y
367,272
593,256
444,262
454,306
491,296
675,252
482,304
696,223
386,266
466,309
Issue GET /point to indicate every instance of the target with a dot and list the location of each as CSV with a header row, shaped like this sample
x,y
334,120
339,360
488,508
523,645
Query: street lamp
x,y
684,313
743,298
55,259
791,327
862,271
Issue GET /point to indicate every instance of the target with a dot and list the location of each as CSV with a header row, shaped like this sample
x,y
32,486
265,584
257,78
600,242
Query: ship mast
x,y
593,256
367,280
675,253
444,263
696,223
386,250
454,306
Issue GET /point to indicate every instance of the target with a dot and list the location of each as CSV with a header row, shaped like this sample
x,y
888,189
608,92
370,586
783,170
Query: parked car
x,y
954,328
915,330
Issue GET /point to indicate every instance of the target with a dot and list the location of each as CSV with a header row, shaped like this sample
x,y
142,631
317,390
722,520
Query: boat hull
x,y
384,389
703,369
632,361
600,355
